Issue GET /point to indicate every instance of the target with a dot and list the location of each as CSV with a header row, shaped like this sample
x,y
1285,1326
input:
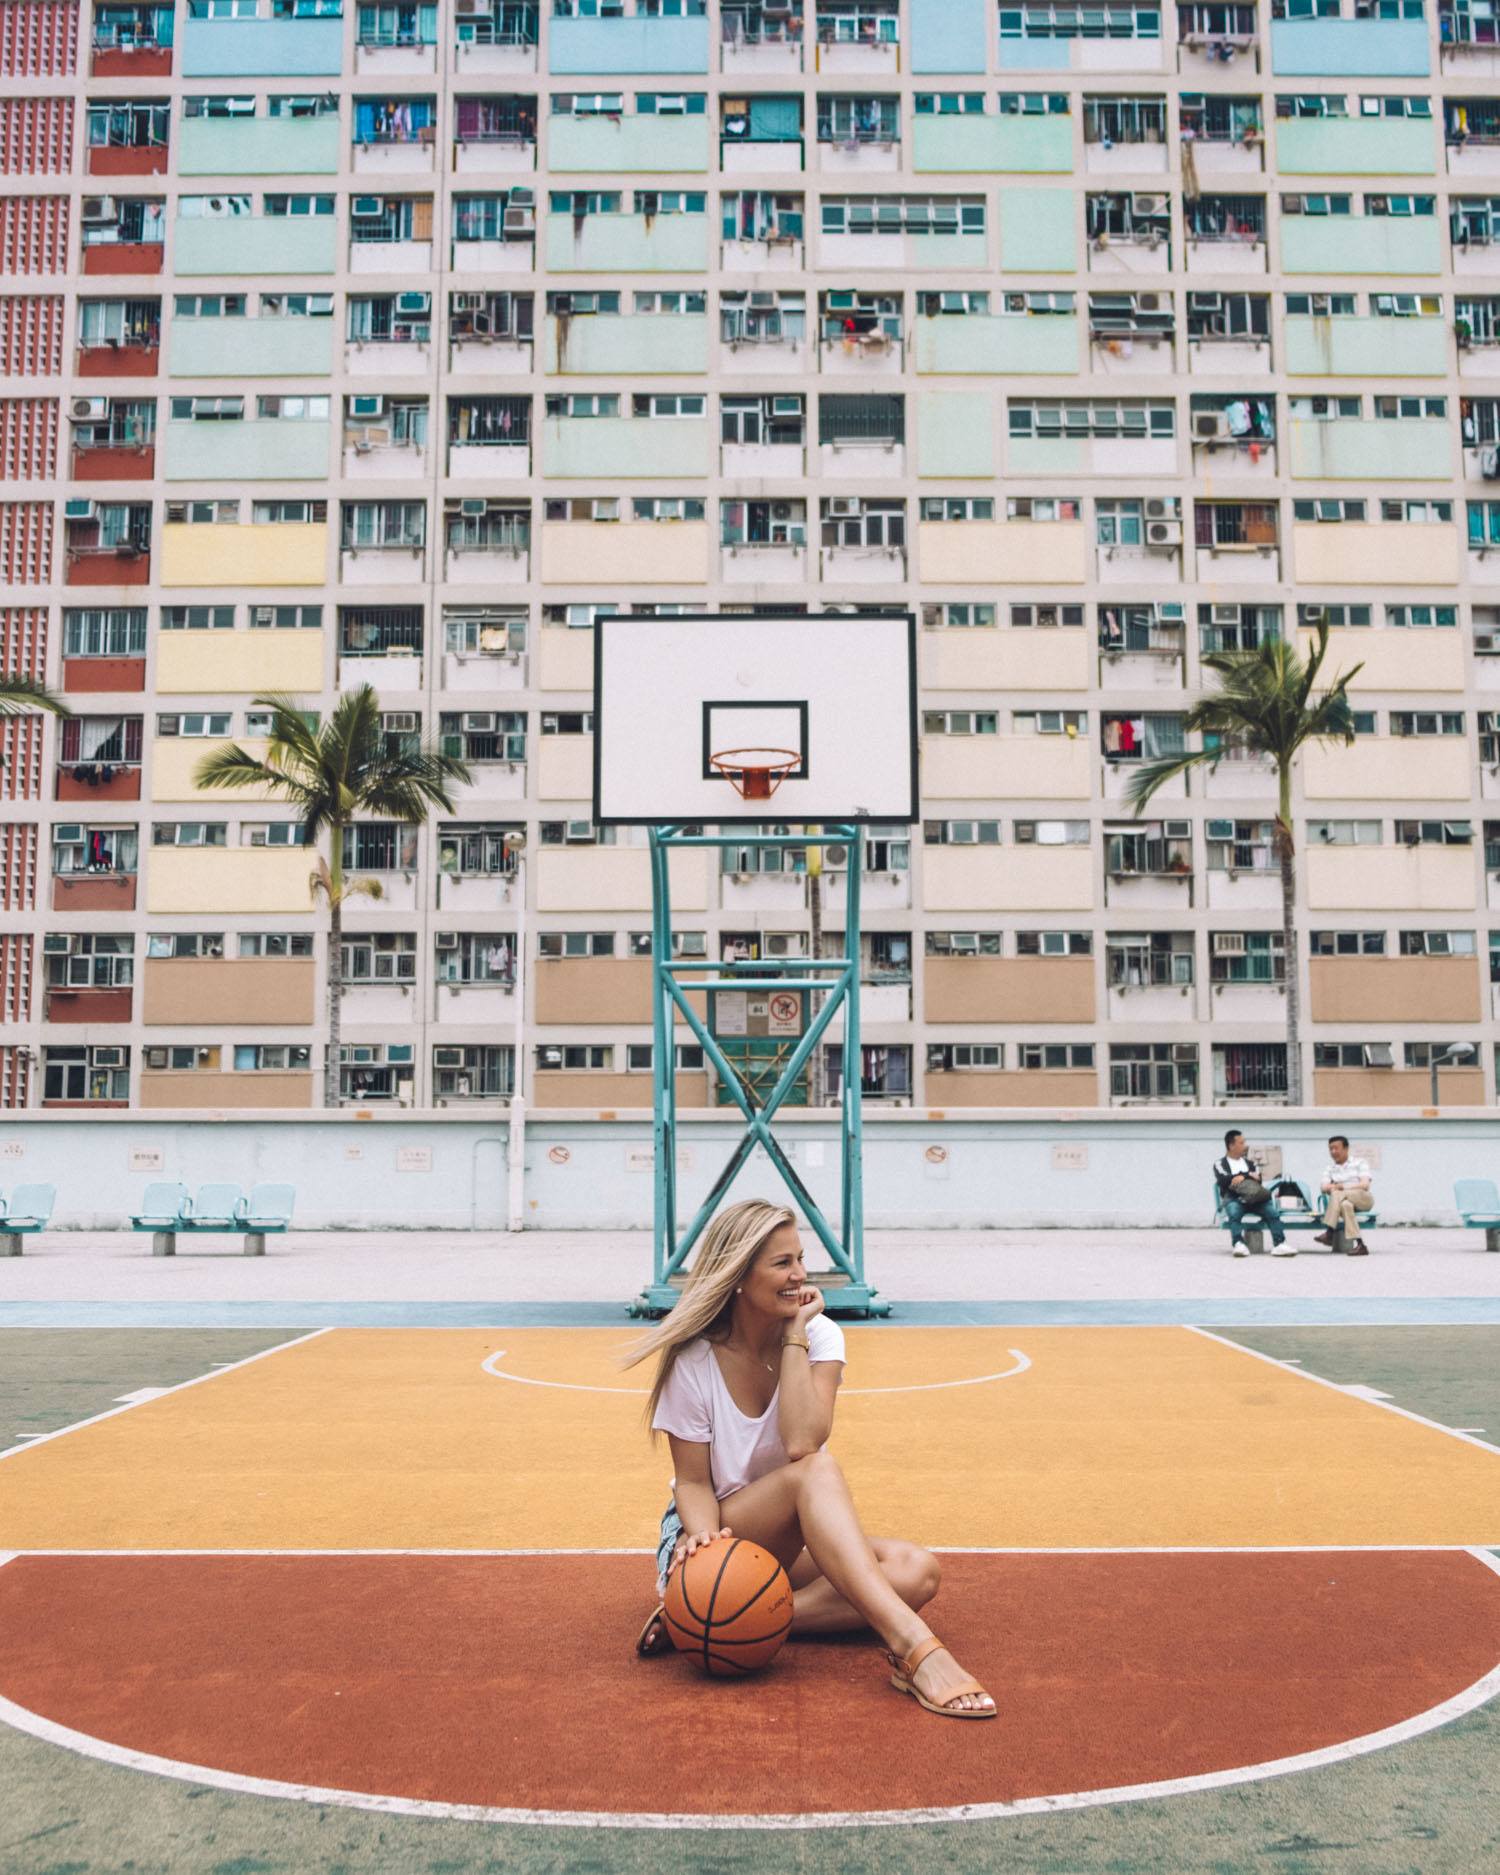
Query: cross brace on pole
x,y
837,981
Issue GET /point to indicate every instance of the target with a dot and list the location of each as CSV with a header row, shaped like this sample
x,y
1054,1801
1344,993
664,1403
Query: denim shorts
x,y
666,1543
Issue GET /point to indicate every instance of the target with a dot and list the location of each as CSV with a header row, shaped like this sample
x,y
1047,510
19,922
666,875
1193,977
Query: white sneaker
x,y
1282,1250
1241,1250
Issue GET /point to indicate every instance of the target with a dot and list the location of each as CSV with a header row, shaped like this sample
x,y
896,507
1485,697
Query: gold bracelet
x,y
791,1342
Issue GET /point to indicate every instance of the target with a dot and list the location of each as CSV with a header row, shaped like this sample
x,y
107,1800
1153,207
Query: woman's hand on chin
x,y
809,1304
687,1544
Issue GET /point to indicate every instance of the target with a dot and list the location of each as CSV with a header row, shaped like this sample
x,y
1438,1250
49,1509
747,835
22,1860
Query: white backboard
x,y
839,691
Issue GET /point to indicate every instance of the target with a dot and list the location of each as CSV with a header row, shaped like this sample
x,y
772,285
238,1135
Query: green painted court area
x,y
1426,1804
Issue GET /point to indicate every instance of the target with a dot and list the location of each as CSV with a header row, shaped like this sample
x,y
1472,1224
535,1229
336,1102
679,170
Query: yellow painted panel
x,y
567,659
1048,553
173,759
1073,1437
1396,659
1391,878
1006,660
215,879
1364,553
1012,878
1390,768
565,768
252,662
646,553
224,554
1028,768
615,878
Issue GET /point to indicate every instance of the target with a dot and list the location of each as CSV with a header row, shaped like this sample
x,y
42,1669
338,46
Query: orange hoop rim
x,y
738,773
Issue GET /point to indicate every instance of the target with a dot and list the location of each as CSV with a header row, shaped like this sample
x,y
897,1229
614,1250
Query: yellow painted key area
x,y
400,1439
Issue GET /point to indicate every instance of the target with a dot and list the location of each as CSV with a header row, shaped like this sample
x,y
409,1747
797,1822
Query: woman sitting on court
x,y
749,1370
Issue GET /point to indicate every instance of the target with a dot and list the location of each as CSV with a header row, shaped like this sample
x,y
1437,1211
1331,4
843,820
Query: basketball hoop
x,y
755,774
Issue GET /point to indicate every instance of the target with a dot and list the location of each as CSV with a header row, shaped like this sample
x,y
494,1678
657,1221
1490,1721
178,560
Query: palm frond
x,y
19,693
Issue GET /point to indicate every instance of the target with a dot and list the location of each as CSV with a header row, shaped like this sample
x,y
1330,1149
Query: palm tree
x,y
1265,704
19,693
348,767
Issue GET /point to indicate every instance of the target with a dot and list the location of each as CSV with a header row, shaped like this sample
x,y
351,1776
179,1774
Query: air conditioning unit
x,y
1164,534
479,722
68,833
786,406
523,198
447,941
79,508
835,858
1314,614
465,302
1177,829
932,616
108,1058
779,946
262,617
579,830
156,1057
1149,204
474,507
413,303
366,405
97,208
87,409
367,207
519,220
1208,425
1228,943
1224,615
1161,507
763,298
57,943
1148,302
1171,612
1218,829
843,505
471,9
397,720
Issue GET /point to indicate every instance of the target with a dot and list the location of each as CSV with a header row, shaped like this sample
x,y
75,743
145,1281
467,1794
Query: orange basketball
x,y
729,1607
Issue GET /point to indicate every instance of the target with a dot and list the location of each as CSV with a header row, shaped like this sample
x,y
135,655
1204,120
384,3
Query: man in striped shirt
x,y
1346,1192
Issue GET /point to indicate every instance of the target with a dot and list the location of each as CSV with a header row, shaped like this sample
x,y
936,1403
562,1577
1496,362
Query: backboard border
x,y
910,818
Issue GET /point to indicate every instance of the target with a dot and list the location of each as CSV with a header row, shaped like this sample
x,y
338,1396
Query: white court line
x,y
1368,1395
1022,1361
1478,1693
156,1393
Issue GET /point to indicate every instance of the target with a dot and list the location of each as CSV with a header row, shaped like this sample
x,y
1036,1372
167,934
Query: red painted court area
x,y
509,1682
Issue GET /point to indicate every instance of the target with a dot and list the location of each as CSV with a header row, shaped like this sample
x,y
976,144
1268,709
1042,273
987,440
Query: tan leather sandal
x,y
654,1638
902,1678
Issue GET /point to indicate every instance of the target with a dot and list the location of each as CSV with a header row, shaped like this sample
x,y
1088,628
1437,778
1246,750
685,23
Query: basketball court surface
x,y
370,1592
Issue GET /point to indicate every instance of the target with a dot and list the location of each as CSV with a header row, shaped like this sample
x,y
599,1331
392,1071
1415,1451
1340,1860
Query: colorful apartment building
x,y
393,341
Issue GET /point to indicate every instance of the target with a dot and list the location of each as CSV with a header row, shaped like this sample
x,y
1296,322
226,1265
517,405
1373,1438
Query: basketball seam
x,y
769,1582
708,1619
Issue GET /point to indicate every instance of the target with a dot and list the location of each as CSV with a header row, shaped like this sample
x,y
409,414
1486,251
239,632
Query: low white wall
x,y
922,1170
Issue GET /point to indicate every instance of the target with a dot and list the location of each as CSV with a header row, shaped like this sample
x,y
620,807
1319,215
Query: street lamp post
x,y
1460,1051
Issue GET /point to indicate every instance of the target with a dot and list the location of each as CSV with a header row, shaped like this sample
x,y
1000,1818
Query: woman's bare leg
x,y
808,1502
819,1608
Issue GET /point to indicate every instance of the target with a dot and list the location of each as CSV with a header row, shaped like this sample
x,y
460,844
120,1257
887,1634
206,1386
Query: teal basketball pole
x,y
671,981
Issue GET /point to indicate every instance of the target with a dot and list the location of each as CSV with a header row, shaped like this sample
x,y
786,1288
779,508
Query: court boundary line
x,y
1389,1406
640,1393
1478,1693
131,1406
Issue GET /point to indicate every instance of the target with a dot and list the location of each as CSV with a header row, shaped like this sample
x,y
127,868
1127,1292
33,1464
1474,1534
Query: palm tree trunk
x,y
1286,852
335,997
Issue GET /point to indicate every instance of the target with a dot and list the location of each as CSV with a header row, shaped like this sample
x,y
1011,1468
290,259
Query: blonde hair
x,y
730,1245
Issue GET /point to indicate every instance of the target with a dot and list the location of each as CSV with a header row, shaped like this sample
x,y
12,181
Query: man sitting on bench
x,y
1346,1189
1239,1180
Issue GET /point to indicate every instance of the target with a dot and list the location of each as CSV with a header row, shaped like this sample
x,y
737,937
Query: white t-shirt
x,y
696,1405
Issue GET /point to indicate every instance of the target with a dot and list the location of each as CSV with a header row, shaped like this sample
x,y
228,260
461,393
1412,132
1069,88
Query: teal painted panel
x,y
249,348
1361,244
262,48
1356,146
1042,346
631,343
627,47
1366,347
1347,449
258,146
627,244
1038,231
629,447
625,145
264,244
949,35
1335,48
1053,455
267,451
1017,145
955,434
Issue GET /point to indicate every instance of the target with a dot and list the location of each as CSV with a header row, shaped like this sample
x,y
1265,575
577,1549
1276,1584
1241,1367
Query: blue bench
x,y
168,1212
23,1214
1298,1214
1478,1202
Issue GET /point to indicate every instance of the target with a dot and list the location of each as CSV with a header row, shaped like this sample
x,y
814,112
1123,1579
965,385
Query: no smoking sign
x,y
784,1014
